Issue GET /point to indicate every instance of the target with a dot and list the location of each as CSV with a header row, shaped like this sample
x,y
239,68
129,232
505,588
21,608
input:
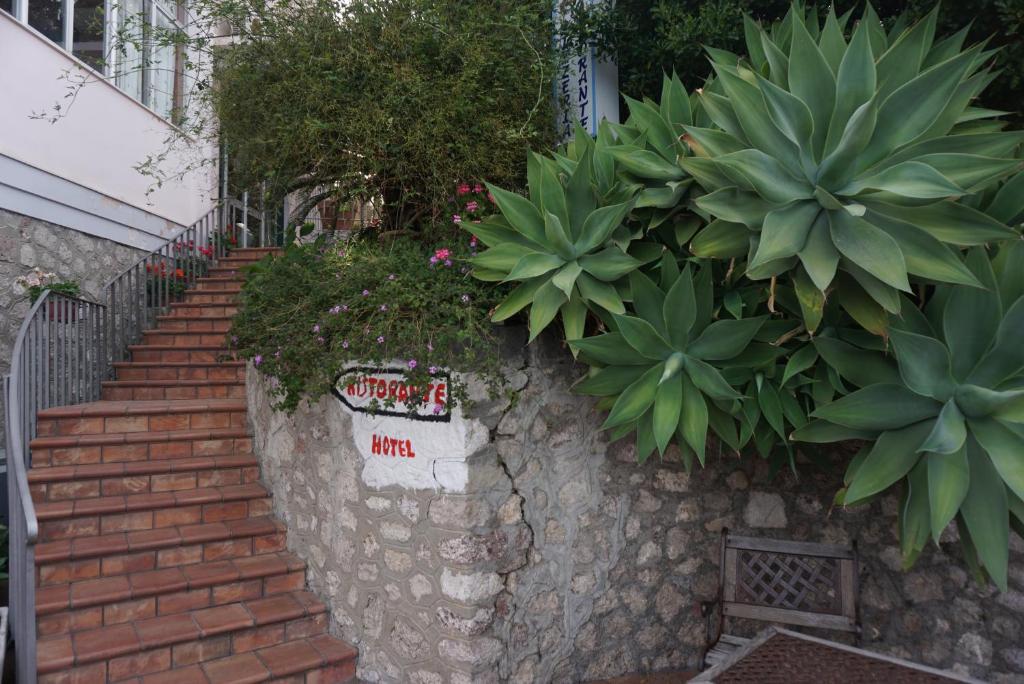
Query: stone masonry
x,y
565,561
27,243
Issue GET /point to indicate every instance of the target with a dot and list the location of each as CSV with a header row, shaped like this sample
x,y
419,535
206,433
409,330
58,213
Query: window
x,y
128,40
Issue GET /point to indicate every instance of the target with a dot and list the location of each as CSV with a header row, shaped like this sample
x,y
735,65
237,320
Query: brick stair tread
x,y
113,588
207,305
169,383
147,540
143,407
97,471
178,347
102,643
130,503
171,317
107,438
281,660
177,364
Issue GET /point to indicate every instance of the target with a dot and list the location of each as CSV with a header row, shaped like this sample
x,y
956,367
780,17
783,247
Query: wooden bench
x,y
781,581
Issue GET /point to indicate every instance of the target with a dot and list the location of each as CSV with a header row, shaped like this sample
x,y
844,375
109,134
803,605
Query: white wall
x,y
97,144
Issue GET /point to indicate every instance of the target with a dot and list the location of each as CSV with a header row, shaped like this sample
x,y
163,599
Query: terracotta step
x,y
144,390
120,598
177,338
180,370
194,354
95,516
228,270
182,545
62,483
203,309
68,450
220,283
211,297
257,251
118,417
242,622
205,324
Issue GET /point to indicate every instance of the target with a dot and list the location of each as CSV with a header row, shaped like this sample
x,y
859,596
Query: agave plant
x,y
559,251
841,163
656,368
951,423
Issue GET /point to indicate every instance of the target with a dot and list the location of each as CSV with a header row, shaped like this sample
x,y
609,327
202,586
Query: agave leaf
x,y
855,85
503,257
557,236
680,309
824,432
725,339
984,144
819,257
985,510
752,39
870,248
574,318
801,360
521,213
600,293
1008,203
517,299
709,380
913,107
924,364
1004,448
925,256
609,349
645,164
832,42
546,302
1008,265
599,226
785,232
643,337
862,368
605,382
609,264
908,179
737,206
495,230
668,402
813,82
949,222
1006,357
778,61
748,104
533,265
649,121
721,112
811,300
973,172
914,514
636,399
892,456
903,60
754,170
708,142
948,480
648,301
721,240
971,317
675,105
949,432
839,167
880,407
694,418
645,437
564,280
882,294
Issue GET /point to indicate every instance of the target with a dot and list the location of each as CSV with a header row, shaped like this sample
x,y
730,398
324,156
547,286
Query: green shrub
x,y
397,99
815,220
322,307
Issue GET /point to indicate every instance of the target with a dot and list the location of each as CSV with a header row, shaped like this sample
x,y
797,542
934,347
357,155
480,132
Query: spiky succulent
x,y
834,157
657,365
951,422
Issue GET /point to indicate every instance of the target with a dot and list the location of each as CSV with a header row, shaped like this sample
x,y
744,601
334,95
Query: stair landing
x,y
159,559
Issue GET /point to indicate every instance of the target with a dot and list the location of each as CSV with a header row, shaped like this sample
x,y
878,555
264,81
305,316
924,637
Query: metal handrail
x,y
54,362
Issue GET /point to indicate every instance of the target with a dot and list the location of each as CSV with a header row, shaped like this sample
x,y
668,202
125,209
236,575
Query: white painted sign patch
x,y
418,442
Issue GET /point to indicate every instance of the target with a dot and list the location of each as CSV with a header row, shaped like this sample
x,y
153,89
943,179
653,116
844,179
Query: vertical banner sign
x,y
586,88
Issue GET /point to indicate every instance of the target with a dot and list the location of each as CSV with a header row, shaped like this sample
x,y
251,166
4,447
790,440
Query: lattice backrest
x,y
795,583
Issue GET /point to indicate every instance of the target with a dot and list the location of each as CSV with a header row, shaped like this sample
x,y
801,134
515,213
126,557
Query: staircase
x,y
158,558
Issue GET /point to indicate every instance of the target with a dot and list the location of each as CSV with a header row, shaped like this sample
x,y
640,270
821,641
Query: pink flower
x,y
473,241
366,293
335,310
478,188
380,340
463,189
438,408
412,363
472,206
433,260
383,307
456,218
316,328
391,276
257,360
344,344
465,299
490,197
432,370
443,253
320,340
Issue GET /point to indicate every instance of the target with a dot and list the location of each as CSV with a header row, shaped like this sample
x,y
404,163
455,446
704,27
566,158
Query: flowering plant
x,y
169,276
324,307
36,282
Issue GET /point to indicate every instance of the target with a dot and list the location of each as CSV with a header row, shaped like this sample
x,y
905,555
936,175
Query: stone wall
x,y
564,561
27,243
